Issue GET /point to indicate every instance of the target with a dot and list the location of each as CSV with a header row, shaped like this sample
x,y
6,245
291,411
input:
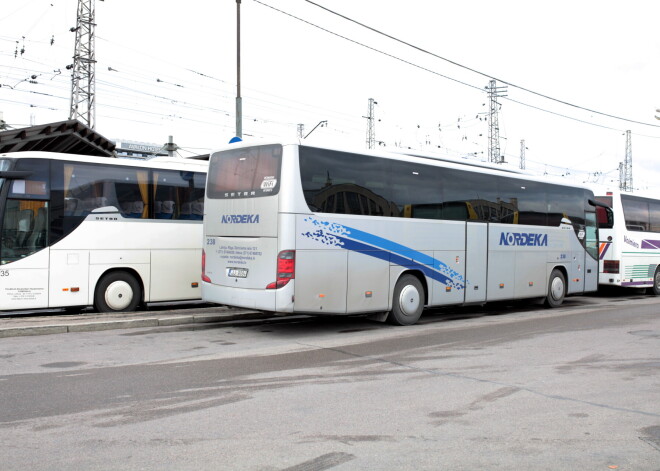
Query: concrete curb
x,y
87,325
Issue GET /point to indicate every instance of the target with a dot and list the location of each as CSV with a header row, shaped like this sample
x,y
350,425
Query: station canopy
x,y
68,137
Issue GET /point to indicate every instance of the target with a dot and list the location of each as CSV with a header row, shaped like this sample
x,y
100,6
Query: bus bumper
x,y
274,300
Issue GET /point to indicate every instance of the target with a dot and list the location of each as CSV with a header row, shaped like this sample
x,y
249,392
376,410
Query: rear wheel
x,y
655,289
118,291
556,289
407,302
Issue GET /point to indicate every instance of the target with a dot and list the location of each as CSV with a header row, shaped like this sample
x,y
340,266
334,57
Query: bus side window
x,y
654,212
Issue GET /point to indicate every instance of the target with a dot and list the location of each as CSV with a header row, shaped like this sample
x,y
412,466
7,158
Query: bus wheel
x,y
556,289
118,291
655,289
408,301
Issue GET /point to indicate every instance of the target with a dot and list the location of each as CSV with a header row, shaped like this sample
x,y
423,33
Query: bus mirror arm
x,y
15,174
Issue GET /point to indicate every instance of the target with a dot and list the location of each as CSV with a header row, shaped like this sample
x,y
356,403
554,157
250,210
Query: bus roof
x,y
451,162
157,162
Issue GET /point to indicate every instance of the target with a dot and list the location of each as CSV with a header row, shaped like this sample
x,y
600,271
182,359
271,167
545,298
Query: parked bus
x,y
107,232
296,229
630,241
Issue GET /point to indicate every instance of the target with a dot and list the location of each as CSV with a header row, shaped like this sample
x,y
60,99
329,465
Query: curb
x,y
93,326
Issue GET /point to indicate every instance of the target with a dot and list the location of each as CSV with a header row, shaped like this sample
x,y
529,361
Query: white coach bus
x,y
112,233
296,229
629,248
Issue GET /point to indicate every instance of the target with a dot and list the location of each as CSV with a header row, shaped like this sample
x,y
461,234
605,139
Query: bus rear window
x,y
245,173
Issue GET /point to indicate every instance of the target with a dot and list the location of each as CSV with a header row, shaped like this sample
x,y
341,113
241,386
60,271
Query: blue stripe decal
x,y
348,238
398,260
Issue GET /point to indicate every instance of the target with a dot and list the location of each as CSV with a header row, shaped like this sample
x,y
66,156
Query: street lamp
x,y
239,100
321,123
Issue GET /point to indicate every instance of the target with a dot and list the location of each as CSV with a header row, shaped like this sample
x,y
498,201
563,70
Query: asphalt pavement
x,y
60,323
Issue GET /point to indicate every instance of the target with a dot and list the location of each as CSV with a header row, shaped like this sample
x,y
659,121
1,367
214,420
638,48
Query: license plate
x,y
237,272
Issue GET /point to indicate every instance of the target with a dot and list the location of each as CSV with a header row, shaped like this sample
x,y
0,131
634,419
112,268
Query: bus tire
x,y
655,289
556,289
118,291
407,302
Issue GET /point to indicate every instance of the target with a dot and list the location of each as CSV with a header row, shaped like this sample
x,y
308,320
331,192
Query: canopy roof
x,y
69,137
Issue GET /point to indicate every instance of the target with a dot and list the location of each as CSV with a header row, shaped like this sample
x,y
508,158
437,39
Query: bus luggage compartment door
x,y
476,261
321,281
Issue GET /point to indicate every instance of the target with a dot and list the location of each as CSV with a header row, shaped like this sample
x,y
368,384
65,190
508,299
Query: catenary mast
x,y
83,77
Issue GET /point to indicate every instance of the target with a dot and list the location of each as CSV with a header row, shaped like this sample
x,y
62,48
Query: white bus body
x,y
629,249
112,233
296,229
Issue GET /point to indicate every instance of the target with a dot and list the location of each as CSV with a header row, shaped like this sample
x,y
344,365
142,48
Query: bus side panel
x,y
321,281
413,246
530,273
476,258
24,283
501,263
442,292
368,283
165,264
639,259
69,278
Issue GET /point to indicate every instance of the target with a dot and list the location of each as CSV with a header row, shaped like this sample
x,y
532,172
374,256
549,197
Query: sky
x,y
578,75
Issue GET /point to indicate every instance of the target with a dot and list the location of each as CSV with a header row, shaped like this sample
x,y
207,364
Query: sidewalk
x,y
22,325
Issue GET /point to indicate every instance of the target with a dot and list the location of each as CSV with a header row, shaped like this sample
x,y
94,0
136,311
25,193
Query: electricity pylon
x,y
83,78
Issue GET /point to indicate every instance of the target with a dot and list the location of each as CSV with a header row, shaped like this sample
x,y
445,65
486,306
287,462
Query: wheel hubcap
x,y
557,288
409,300
118,295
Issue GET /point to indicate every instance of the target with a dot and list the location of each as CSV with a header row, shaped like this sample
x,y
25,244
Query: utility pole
x,y
83,77
239,99
494,92
301,130
522,154
371,130
625,169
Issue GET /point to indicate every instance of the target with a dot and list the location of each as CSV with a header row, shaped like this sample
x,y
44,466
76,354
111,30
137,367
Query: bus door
x,y
591,257
24,234
476,261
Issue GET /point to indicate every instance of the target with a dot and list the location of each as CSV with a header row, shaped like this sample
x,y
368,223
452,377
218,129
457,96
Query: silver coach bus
x,y
296,229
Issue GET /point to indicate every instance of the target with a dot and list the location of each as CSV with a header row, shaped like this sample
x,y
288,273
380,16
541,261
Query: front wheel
x,y
118,291
556,289
407,302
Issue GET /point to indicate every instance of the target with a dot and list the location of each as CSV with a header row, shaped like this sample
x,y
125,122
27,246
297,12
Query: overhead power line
x,y
474,70
561,115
